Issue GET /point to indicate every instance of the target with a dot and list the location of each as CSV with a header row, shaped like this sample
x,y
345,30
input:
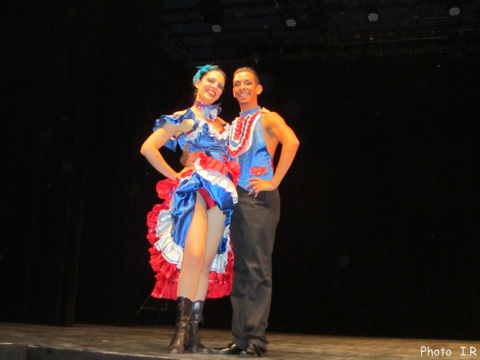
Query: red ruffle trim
x,y
238,131
165,190
219,285
224,167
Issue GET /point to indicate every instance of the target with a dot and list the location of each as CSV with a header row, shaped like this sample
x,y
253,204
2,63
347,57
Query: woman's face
x,y
210,87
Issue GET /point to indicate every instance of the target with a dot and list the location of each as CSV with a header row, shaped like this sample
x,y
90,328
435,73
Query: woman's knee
x,y
193,260
206,266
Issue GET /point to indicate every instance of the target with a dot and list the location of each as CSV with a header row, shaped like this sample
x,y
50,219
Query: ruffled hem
x,y
166,283
173,119
166,256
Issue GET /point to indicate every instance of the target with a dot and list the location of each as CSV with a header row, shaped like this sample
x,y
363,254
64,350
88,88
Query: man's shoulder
x,y
271,116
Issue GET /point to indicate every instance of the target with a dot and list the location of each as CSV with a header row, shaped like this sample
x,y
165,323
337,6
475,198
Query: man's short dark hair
x,y
250,70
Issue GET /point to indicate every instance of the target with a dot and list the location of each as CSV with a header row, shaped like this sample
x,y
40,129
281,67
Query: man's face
x,y
245,90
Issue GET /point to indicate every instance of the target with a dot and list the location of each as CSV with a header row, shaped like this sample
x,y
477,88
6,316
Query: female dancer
x,y
189,231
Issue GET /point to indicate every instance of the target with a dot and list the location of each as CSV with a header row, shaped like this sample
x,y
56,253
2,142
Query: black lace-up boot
x,y
193,344
184,309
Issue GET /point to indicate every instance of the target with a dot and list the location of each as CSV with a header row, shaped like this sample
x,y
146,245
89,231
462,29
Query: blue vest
x,y
247,145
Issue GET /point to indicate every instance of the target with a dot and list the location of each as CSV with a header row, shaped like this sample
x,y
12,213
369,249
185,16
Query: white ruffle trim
x,y
247,133
211,131
219,263
217,178
172,252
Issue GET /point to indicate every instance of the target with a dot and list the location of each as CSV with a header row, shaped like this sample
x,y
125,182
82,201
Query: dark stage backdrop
x,y
379,229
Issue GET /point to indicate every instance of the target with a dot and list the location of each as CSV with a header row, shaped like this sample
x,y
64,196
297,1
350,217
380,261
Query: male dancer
x,y
254,139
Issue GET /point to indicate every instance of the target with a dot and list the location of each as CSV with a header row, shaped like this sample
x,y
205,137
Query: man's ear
x,y
259,89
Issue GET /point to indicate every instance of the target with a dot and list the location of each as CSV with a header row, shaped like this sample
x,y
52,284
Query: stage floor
x,y
92,342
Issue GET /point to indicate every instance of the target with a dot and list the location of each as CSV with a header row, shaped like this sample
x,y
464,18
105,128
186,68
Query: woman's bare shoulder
x,y
180,112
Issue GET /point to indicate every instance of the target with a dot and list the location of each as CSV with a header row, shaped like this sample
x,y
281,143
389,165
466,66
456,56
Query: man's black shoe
x,y
253,350
231,349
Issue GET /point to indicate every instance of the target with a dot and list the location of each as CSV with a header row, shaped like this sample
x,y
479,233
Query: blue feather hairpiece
x,y
202,70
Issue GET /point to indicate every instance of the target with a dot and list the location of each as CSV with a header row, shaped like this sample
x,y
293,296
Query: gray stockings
x,y
253,226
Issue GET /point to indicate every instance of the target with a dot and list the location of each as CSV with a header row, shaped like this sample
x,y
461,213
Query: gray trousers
x,y
253,226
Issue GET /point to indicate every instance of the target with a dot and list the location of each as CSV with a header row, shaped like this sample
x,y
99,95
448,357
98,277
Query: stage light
x,y
371,9
212,13
216,28
291,22
454,11
454,8
290,15
373,16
